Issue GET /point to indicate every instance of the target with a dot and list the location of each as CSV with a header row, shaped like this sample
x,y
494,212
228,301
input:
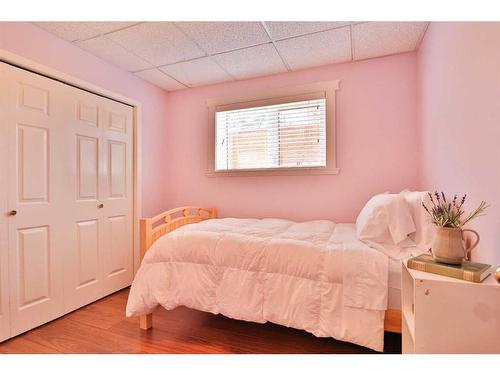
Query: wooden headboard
x,y
154,227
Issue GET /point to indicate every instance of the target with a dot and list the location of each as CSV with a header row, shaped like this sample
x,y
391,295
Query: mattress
x,y
394,285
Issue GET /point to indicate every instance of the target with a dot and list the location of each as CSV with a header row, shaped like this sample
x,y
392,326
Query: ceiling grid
x,y
177,55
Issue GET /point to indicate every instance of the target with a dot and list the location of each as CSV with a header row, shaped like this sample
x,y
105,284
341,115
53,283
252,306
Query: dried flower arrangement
x,y
450,214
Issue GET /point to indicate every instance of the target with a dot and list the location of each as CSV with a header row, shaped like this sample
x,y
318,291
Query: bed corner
x,y
154,227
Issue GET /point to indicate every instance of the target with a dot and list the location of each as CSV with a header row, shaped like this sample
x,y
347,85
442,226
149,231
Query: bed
x,y
316,275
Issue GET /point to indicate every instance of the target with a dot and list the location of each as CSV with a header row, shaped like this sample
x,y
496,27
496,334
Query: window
x,y
289,135
274,134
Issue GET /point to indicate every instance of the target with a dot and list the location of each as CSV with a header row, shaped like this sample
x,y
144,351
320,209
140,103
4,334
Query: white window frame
x,y
317,90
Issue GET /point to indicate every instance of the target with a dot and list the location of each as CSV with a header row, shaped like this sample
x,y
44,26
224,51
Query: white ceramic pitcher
x,y
449,246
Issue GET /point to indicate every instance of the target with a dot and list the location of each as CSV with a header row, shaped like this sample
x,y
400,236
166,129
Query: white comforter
x,y
314,276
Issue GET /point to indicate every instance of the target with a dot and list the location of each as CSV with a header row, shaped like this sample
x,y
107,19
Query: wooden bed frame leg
x,y
146,321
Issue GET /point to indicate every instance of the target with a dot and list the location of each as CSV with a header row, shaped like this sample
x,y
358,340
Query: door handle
x,y
12,213
100,205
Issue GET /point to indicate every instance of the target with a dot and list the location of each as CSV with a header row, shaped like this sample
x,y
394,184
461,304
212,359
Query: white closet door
x,y
99,218
36,194
83,269
116,194
4,266
66,177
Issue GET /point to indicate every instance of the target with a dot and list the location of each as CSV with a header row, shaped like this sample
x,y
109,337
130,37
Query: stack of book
x,y
468,271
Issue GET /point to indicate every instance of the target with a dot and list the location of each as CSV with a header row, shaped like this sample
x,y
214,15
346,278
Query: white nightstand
x,y
445,315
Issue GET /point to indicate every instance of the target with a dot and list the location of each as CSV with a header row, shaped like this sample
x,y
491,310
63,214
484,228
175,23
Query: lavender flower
x,y
437,196
463,201
448,214
430,196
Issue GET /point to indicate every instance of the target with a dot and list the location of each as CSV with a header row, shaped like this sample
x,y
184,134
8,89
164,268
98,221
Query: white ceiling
x,y
176,55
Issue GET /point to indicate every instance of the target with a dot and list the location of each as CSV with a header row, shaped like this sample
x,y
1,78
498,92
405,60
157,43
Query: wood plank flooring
x,y
101,327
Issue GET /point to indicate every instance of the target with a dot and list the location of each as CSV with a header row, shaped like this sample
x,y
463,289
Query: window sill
x,y
275,172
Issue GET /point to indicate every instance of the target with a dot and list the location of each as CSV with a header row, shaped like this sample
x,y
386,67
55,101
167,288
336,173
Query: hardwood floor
x,y
101,327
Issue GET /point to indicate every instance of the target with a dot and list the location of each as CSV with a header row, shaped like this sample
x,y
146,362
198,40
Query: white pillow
x,y
425,230
386,219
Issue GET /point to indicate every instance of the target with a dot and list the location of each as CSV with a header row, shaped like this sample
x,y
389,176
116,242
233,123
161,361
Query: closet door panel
x,y
83,274
4,260
116,193
87,171
33,250
35,194
117,161
87,252
100,181
117,257
33,163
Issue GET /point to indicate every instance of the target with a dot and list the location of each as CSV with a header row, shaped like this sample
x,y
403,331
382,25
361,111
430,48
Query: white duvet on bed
x,y
314,276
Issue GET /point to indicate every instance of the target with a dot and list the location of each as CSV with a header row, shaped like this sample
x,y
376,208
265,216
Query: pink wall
x,y
459,116
391,135
29,41
376,147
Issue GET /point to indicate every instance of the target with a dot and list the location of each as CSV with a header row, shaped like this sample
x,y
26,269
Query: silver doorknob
x,y
12,213
100,205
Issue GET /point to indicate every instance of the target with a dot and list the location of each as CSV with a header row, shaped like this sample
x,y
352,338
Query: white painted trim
x,y
49,72
326,89
137,183
4,233
275,172
276,93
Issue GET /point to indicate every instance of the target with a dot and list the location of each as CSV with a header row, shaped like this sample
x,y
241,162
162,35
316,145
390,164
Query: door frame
x,y
35,67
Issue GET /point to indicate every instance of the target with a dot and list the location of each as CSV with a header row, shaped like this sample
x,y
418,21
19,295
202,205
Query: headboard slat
x,y
153,228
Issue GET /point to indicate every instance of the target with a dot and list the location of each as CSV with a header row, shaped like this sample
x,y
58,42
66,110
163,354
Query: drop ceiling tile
x,y
372,39
197,72
114,53
216,37
282,30
157,42
72,31
251,62
160,79
326,47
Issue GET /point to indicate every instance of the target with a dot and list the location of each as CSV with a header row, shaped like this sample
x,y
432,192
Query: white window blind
x,y
289,135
